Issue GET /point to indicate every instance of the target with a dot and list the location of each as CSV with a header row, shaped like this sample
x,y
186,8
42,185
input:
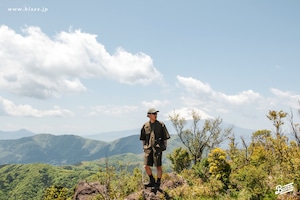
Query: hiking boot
x,y
157,184
151,183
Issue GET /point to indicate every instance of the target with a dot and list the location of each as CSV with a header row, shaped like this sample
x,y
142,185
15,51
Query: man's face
x,y
153,116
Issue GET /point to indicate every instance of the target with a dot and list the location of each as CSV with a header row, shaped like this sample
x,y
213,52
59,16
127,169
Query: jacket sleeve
x,y
143,134
166,134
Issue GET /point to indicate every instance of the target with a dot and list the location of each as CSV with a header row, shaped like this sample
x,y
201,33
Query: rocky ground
x,y
85,191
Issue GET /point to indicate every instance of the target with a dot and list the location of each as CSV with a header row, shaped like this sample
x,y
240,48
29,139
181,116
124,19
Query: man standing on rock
x,y
154,136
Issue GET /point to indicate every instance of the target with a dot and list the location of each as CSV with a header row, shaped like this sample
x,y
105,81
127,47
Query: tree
x,y
180,159
219,168
261,150
295,129
196,139
295,126
251,180
261,136
277,118
237,157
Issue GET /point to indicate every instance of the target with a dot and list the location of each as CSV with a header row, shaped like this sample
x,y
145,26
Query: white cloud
x,y
246,107
112,110
193,85
286,98
218,104
36,65
241,98
8,107
186,113
280,93
199,93
155,104
132,69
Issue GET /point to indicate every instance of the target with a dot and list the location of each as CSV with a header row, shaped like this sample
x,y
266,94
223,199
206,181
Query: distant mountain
x,y
68,149
112,135
11,135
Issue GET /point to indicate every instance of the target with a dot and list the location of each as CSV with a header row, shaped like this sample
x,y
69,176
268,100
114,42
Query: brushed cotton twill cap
x,y
152,110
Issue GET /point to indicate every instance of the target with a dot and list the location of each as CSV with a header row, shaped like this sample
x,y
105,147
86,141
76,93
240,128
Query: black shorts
x,y
151,158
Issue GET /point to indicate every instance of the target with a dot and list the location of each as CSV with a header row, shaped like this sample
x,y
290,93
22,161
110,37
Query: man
x,y
154,136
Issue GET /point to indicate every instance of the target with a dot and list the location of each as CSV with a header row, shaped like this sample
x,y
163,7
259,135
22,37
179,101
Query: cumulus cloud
x,y
282,94
248,105
9,108
155,103
194,86
241,98
112,110
287,98
33,64
199,95
201,92
186,113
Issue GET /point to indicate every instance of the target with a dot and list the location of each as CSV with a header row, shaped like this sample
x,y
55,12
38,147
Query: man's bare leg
x,y
159,171
149,173
148,170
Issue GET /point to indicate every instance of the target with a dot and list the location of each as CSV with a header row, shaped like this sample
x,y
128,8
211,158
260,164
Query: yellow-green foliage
x,y
180,159
56,192
251,172
218,166
195,188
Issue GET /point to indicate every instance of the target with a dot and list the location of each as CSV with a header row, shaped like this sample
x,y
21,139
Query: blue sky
x,y
74,67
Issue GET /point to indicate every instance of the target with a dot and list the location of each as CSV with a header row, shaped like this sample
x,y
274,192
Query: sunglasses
x,y
153,113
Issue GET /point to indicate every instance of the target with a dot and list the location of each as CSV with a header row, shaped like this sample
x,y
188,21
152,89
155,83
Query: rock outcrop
x,y
85,191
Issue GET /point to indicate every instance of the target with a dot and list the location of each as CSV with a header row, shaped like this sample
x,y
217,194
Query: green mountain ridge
x,y
29,165
68,149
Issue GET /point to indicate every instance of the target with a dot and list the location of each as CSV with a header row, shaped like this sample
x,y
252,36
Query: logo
x,y
284,189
